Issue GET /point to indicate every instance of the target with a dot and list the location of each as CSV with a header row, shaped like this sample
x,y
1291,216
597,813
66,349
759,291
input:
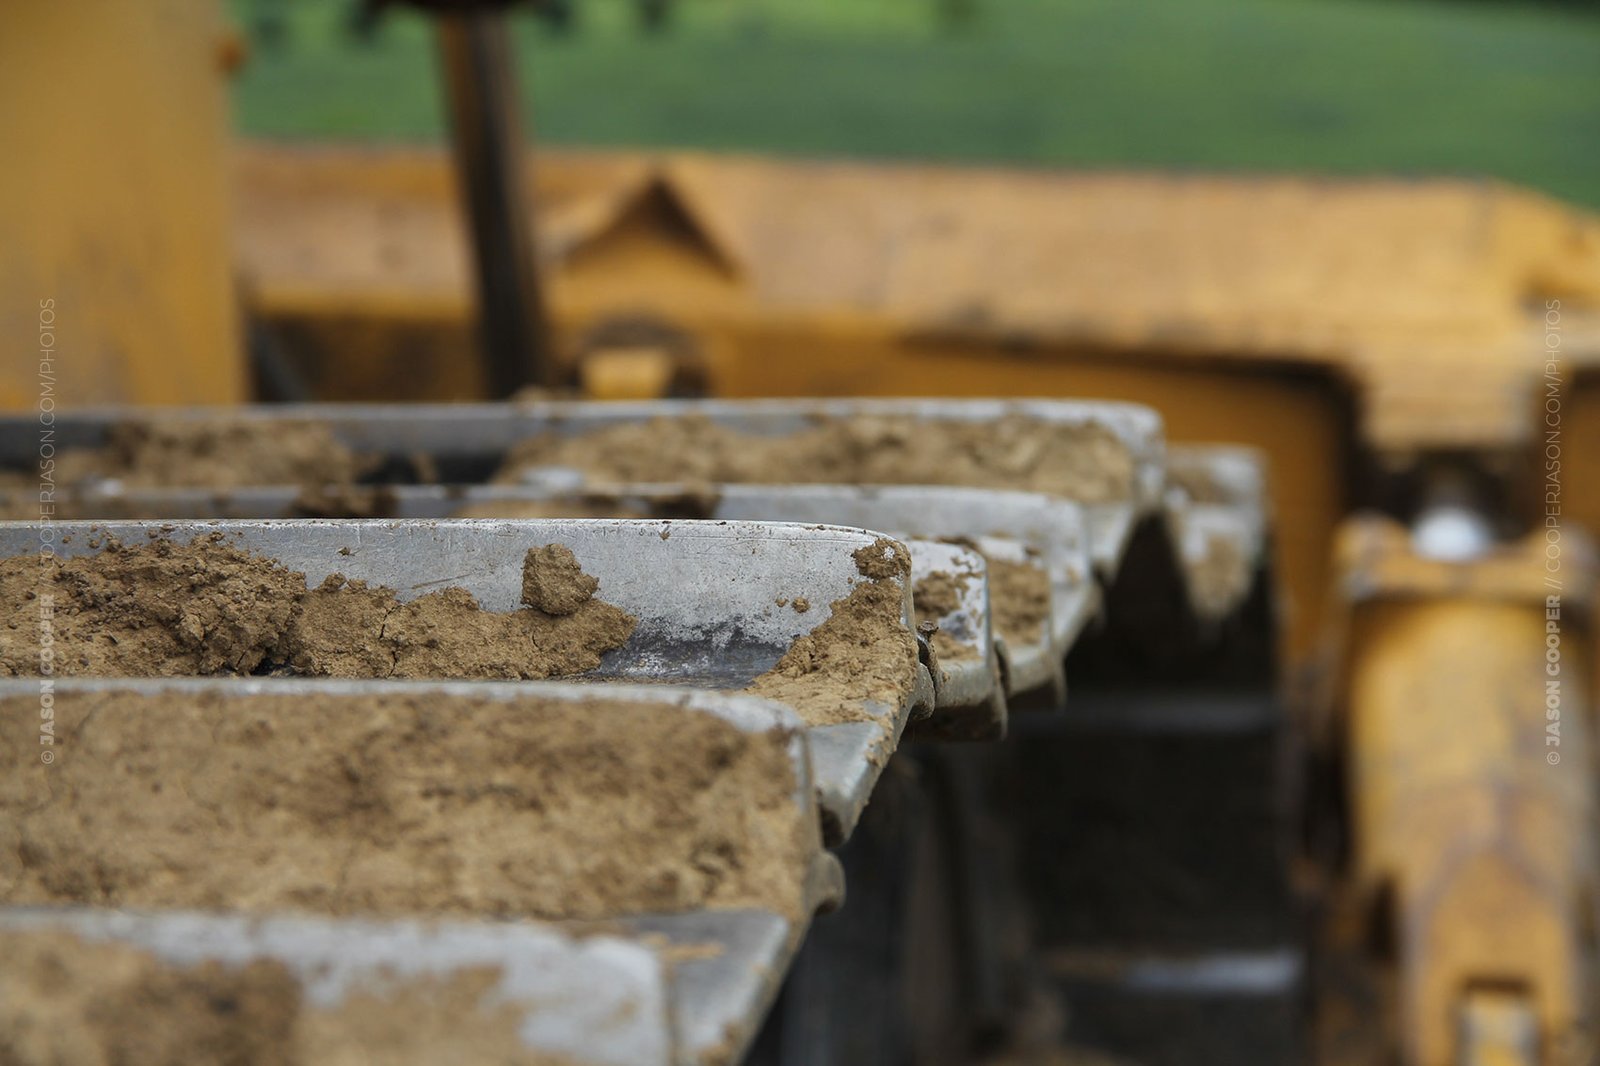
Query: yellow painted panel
x,y
114,204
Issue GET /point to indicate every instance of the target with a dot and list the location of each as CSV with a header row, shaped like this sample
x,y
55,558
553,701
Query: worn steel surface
x,y
600,1000
1052,527
720,997
1212,498
481,434
614,998
969,685
486,431
723,635
1055,533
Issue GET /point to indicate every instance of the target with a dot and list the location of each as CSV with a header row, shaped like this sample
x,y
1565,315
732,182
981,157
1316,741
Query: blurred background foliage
x,y
1477,87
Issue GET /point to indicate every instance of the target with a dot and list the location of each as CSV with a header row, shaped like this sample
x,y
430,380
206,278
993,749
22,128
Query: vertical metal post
x,y
480,79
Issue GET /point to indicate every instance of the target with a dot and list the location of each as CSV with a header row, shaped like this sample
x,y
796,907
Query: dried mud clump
x,y
862,653
213,453
553,582
158,609
1087,462
207,607
883,558
348,629
399,805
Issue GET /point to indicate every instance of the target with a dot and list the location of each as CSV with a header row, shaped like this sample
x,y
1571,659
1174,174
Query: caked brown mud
x,y
396,805
165,609
1087,462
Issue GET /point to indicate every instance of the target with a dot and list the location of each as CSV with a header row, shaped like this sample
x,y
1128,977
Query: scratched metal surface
x,y
475,436
609,998
706,595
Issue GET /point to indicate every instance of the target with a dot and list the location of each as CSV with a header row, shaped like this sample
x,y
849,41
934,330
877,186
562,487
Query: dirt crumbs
x,y
216,453
553,582
399,805
164,609
863,652
936,595
1019,599
69,1001
1086,462
883,558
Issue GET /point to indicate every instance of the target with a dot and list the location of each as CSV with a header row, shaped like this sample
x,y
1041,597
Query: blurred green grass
x,y
1330,86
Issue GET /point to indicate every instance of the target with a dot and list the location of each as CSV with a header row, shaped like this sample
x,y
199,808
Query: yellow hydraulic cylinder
x,y
1472,784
